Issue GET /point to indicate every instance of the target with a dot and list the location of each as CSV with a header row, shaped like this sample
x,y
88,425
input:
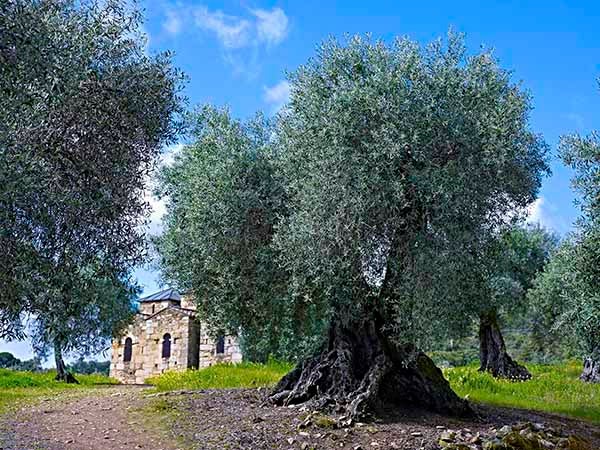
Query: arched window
x,y
220,344
127,352
166,346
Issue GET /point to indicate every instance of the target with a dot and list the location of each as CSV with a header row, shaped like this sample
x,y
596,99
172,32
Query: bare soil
x,y
239,419
124,417
108,418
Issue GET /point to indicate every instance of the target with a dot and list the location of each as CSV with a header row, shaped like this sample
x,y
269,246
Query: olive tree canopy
x,y
400,163
84,114
359,212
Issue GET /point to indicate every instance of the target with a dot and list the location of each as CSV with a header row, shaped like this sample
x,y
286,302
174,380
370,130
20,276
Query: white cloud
x,y
243,38
535,212
278,95
232,31
547,215
272,25
173,22
168,157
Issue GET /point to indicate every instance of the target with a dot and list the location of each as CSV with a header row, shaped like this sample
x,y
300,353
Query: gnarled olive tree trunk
x,y
591,370
492,351
360,369
62,374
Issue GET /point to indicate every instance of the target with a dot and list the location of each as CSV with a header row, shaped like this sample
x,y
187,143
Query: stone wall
x,y
191,345
147,336
151,308
187,302
208,349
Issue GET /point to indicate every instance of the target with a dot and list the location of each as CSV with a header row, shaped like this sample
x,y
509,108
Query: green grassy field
x,y
17,387
553,388
223,376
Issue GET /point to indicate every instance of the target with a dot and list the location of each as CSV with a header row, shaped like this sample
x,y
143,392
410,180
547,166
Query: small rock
x,y
546,444
448,436
304,445
291,440
504,431
475,439
416,433
495,445
305,423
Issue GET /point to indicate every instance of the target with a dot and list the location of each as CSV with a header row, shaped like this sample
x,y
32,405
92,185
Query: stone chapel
x,y
166,335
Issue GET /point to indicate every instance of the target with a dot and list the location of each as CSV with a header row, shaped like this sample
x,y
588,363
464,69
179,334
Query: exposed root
x,y
360,370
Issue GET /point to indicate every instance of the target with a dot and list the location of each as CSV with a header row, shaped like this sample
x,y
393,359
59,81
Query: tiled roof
x,y
167,294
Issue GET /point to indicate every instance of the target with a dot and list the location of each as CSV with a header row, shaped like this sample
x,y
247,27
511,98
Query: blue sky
x,y
237,53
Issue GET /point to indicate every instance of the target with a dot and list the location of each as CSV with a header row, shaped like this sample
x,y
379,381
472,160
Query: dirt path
x,y
127,417
107,418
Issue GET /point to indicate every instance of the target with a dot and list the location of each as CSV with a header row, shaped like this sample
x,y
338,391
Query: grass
x,y
223,376
553,388
17,387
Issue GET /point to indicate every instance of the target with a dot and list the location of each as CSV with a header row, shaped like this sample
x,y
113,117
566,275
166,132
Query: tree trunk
x,y
62,374
492,351
360,369
591,370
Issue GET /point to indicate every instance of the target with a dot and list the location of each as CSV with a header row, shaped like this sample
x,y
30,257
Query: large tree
x,y
400,164
84,113
391,167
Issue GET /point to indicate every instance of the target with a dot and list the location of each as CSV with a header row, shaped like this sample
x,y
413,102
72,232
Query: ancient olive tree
x,y
400,163
507,270
84,113
224,201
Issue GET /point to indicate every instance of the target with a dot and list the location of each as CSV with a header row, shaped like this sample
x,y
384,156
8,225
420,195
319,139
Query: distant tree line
x,y
9,361
81,366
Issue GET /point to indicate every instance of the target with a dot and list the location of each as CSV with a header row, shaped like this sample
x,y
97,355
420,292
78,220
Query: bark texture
x,y
62,374
492,351
591,370
360,370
